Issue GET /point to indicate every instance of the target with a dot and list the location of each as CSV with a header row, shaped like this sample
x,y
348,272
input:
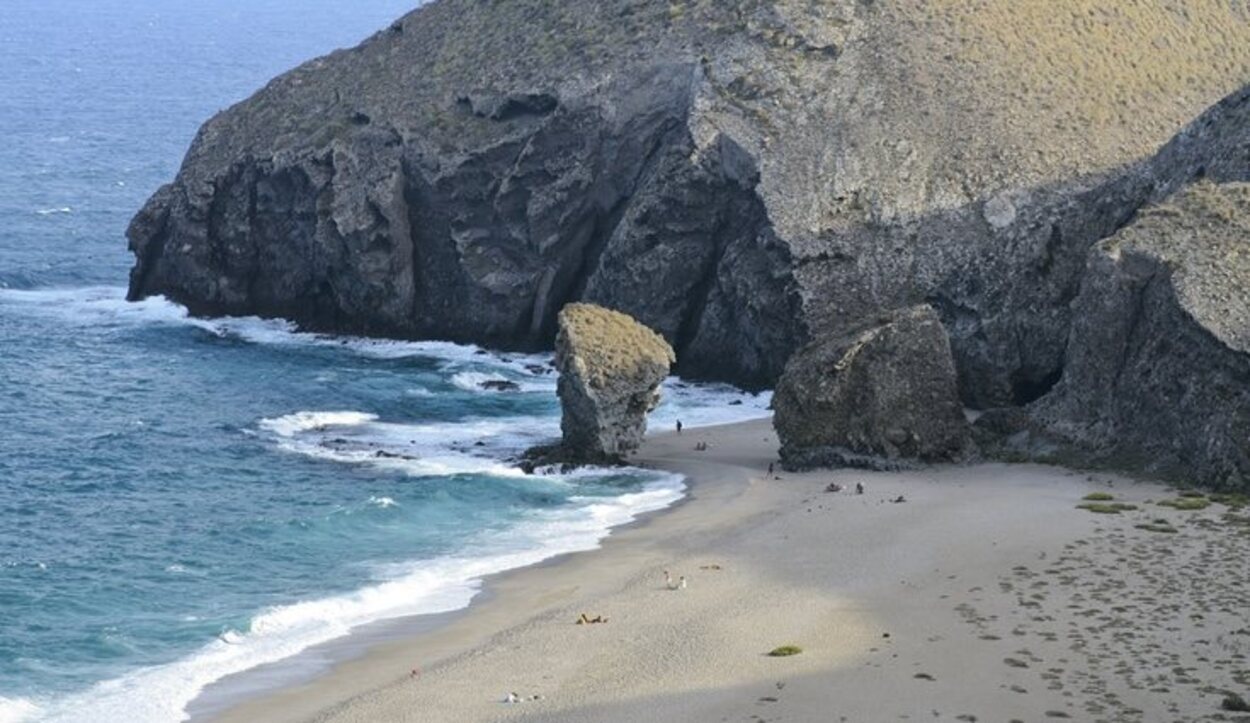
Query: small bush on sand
x,y
785,651
1235,703
1187,503
1231,501
1157,526
1106,508
1192,493
1098,497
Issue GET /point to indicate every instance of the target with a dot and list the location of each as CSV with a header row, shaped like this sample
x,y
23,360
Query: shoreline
x,y
223,699
985,595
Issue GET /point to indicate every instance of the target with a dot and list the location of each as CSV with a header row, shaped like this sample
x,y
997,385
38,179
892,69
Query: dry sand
x,y
986,596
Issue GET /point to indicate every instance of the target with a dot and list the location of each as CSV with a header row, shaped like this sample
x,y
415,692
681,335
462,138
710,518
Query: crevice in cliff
x,y
671,132
1026,390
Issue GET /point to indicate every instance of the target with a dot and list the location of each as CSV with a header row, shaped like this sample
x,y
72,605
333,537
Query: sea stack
x,y
610,372
879,397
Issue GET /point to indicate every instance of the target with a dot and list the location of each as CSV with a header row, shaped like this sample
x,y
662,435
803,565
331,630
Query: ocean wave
x,y
424,587
106,306
292,424
53,211
472,446
477,381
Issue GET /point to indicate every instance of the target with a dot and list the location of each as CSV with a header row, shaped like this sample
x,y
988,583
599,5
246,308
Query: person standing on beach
x,y
679,426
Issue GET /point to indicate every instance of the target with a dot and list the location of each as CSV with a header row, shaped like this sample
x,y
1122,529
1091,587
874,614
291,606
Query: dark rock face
x,y
1158,366
374,234
877,398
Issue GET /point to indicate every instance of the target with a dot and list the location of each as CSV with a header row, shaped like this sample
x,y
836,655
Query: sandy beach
x,y
983,594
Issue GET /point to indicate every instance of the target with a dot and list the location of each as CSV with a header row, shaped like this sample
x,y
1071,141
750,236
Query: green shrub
x,y
1099,497
1232,501
1106,508
785,651
1187,503
1157,526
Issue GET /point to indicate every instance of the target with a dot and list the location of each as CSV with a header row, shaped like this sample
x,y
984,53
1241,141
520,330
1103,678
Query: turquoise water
x,y
183,499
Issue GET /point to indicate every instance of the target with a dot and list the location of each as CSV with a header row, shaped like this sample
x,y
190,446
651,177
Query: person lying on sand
x,y
833,487
586,620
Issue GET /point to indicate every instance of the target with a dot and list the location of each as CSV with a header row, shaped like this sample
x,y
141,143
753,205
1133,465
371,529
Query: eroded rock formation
x,y
878,397
1158,365
610,369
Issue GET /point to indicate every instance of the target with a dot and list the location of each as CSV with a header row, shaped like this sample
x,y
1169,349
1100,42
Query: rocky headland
x,y
749,177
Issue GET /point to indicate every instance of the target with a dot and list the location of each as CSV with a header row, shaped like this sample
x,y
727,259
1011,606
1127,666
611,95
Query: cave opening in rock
x,y
1027,389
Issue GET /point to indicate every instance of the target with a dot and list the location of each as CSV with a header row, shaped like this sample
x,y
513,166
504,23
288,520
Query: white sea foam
x,y
52,211
472,446
425,587
292,424
474,381
16,710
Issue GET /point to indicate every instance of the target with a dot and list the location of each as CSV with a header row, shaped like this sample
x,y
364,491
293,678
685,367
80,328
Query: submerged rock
x,y
1158,364
877,398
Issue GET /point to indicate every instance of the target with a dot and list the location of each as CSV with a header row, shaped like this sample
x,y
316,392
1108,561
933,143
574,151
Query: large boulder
x,y
1157,375
610,369
879,397
739,175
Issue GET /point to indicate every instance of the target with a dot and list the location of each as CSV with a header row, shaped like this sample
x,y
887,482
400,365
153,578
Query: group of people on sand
x,y
835,487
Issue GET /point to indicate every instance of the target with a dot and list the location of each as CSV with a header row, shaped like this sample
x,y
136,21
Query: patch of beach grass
x,y
1107,508
1098,497
1157,525
1187,504
784,651
1233,501
1235,703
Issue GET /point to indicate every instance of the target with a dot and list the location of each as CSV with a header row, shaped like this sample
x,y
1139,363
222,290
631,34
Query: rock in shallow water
x,y
873,398
610,369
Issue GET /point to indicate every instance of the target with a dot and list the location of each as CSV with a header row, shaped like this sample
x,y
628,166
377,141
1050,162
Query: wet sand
x,y
985,595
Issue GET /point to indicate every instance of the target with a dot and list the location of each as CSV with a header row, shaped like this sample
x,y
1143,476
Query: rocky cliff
x,y
1158,365
743,176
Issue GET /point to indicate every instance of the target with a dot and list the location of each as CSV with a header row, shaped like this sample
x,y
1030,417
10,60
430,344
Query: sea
x,y
184,499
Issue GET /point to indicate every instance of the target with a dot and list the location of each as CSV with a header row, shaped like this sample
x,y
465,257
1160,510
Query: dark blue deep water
x,y
183,499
